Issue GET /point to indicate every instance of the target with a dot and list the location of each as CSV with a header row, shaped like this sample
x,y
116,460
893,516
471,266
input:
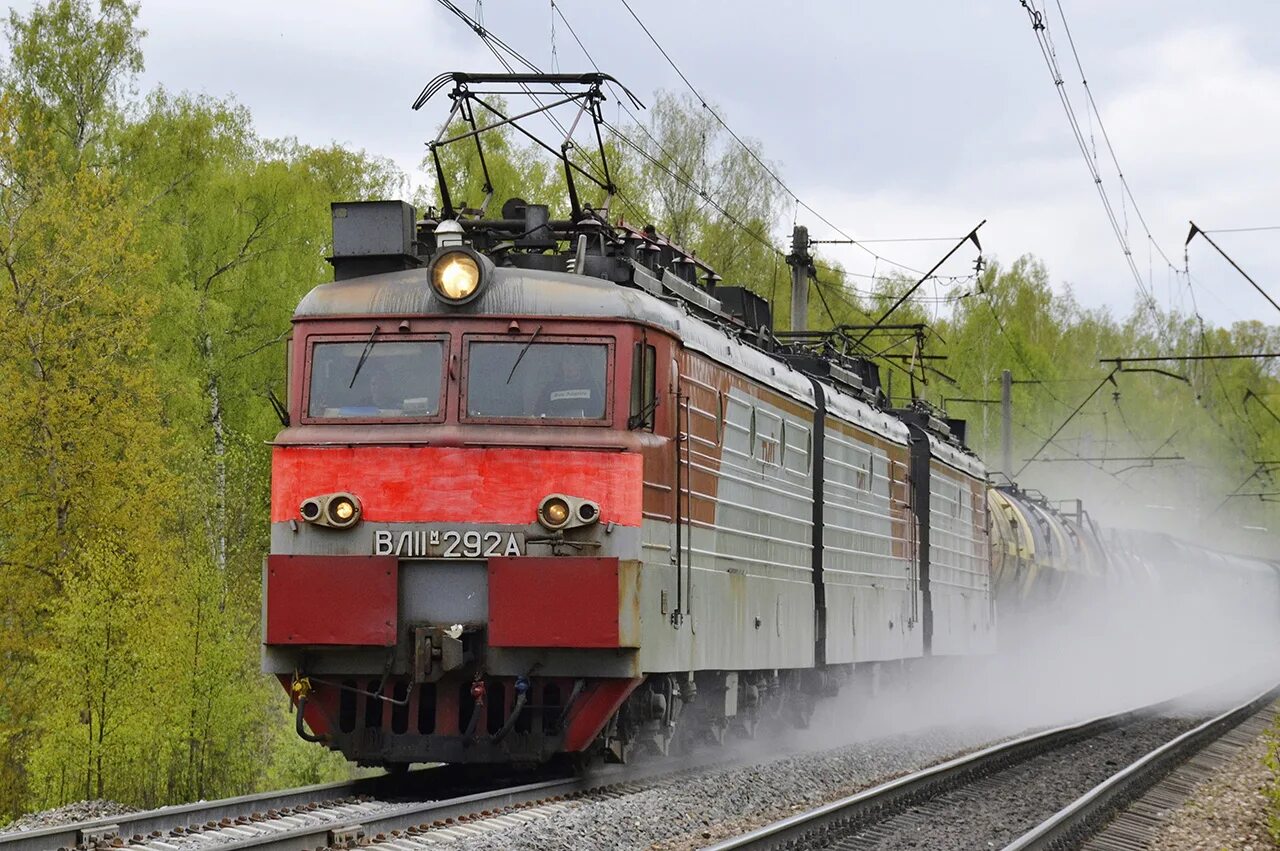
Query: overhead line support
x,y
970,236
1110,377
1196,230
801,263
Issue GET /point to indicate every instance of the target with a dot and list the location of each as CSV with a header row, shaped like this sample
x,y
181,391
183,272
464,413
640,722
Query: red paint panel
x,y
553,602
403,484
593,710
332,600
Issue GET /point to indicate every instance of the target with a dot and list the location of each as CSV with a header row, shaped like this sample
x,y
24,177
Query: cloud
x,y
889,134
321,71
1193,116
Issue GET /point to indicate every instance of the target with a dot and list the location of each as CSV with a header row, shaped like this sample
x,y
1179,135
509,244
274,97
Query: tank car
x,y
1041,554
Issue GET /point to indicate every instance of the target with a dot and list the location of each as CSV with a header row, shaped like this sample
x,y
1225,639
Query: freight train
x,y
548,487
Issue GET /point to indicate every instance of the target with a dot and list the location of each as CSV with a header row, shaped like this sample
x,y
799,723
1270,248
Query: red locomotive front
x,y
456,513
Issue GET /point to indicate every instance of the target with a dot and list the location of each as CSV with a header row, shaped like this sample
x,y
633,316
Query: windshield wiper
x,y
364,356
520,356
641,420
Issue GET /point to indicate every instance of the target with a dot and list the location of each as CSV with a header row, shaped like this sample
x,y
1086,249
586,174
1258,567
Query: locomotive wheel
x,y
800,711
618,751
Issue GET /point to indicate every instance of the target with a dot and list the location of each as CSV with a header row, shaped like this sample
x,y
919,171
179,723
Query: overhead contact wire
x,y
751,152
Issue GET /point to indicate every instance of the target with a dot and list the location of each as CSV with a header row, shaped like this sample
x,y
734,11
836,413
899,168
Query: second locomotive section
x,y
521,512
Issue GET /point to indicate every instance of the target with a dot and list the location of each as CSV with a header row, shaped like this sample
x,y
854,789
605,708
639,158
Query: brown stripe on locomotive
x,y
709,388
705,388
901,518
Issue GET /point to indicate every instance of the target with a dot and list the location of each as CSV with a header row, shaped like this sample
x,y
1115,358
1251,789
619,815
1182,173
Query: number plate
x,y
447,543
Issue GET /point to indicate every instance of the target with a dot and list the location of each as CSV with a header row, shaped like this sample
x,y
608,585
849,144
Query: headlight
x,y
554,512
342,511
455,276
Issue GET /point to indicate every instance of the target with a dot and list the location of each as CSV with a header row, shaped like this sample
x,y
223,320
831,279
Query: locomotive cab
x,y
457,510
496,483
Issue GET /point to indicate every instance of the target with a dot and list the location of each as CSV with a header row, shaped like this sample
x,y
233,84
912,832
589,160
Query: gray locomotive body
x,y
755,528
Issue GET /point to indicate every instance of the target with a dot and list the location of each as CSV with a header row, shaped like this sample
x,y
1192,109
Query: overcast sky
x,y
892,119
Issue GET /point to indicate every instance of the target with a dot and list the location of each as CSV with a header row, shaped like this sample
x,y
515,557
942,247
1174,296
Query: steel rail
x,y
350,832
166,819
341,832
1091,811
807,828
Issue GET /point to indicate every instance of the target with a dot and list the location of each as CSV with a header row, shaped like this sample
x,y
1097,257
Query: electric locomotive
x,y
549,487
523,511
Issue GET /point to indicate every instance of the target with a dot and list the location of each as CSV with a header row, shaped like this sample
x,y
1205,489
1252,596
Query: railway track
x,y
1012,795
305,817
371,811
442,805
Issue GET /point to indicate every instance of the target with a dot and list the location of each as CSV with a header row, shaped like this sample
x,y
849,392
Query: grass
x,y
1272,762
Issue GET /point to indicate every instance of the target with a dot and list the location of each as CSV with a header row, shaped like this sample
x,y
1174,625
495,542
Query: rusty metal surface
x,y
523,293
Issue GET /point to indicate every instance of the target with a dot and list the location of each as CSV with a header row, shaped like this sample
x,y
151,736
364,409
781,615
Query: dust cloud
x,y
1166,619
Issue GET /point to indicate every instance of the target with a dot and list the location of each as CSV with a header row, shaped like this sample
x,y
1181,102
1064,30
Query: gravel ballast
x,y
698,807
67,814
1227,810
994,811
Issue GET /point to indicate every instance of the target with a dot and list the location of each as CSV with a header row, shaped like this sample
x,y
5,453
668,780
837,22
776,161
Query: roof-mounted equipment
x,y
370,237
584,90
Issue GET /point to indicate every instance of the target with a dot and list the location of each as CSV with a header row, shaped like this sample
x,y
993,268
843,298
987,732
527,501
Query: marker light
x,y
311,509
455,276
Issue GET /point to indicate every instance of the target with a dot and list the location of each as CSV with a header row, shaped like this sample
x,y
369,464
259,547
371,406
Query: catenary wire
x,y
751,152
1040,29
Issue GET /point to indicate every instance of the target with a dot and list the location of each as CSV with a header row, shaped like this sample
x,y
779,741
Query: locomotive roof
x,y
526,292
965,462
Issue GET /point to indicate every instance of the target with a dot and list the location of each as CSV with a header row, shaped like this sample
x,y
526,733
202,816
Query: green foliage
x,y
688,148
69,68
80,425
154,251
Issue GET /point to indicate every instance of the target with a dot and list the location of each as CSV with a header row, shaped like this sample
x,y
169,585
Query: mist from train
x,y
1166,620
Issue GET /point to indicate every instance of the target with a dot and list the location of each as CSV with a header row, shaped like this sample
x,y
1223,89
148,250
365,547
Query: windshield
x,y
396,379
534,379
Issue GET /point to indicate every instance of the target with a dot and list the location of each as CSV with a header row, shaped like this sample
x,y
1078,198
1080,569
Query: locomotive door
x,y
683,507
906,529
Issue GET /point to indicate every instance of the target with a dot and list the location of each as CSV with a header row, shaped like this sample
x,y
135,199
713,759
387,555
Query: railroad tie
x,y
1135,828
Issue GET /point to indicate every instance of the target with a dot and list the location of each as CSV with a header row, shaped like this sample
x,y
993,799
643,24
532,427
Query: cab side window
x,y
644,395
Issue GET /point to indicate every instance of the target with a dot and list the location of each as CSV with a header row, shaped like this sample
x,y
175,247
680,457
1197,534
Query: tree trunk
x,y
217,423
